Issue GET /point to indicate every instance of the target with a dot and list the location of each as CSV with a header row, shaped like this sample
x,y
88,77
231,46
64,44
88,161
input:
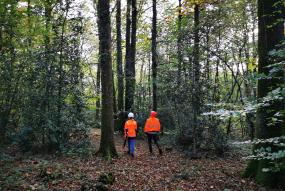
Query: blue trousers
x,y
131,144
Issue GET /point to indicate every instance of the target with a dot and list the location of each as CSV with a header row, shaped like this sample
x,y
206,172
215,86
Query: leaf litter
x,y
171,171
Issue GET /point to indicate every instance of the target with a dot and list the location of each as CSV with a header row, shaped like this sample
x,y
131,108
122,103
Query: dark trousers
x,y
155,139
131,145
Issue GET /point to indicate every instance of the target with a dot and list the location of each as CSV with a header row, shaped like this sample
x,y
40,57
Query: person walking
x,y
130,133
152,129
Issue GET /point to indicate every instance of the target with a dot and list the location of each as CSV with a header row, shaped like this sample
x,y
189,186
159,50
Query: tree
x,y
196,78
98,90
270,35
107,145
41,73
179,42
120,77
154,56
131,30
128,57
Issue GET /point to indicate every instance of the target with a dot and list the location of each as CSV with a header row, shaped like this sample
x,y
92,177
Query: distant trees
x,y
41,84
202,71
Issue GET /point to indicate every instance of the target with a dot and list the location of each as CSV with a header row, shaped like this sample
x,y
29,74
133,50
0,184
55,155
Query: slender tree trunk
x,y
120,77
208,71
48,68
1,38
115,108
269,14
29,25
154,57
149,81
107,145
133,54
128,58
119,122
196,79
179,43
60,72
249,118
98,90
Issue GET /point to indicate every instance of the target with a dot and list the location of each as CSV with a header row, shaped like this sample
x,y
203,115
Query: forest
x,y
87,85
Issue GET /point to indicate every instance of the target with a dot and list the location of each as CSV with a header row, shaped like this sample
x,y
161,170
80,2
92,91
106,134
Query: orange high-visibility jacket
x,y
130,128
152,125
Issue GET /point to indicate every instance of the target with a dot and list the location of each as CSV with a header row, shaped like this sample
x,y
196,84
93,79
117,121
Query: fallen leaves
x,y
172,171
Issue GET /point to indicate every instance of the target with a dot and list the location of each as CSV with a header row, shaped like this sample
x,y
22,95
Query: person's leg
x,y
156,138
132,146
149,137
129,145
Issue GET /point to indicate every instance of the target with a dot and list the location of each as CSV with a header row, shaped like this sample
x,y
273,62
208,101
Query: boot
x,y
160,151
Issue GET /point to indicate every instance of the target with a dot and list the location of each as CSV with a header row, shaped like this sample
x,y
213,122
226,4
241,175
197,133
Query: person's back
x,y
131,127
130,131
152,129
152,125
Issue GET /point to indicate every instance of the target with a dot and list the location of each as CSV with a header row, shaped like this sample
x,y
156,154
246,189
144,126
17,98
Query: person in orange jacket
x,y
152,129
130,133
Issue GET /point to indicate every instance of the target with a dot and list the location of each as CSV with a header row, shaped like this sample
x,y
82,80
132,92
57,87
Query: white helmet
x,y
131,115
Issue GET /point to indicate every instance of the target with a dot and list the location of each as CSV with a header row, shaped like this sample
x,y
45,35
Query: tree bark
x,y
154,56
115,108
120,77
271,33
128,58
98,90
48,68
179,43
107,145
133,56
61,72
196,79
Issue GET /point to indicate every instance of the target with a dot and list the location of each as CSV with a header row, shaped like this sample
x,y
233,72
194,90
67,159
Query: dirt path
x,y
172,171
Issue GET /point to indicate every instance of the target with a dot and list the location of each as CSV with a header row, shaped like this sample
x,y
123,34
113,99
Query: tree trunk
x,y
120,77
107,145
128,98
196,79
98,90
133,55
115,108
154,57
46,105
179,43
249,117
269,14
61,72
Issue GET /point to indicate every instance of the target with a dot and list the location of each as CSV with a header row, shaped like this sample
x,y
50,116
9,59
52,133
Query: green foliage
x,y
42,101
272,151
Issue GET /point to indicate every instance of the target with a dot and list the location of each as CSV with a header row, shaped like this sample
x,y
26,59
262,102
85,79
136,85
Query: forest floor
x,y
172,171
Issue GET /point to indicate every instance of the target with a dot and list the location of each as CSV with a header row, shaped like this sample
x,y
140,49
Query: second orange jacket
x,y
152,125
130,128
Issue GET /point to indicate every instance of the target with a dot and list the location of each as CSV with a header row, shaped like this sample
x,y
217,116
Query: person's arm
x,y
125,129
136,129
146,125
158,125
